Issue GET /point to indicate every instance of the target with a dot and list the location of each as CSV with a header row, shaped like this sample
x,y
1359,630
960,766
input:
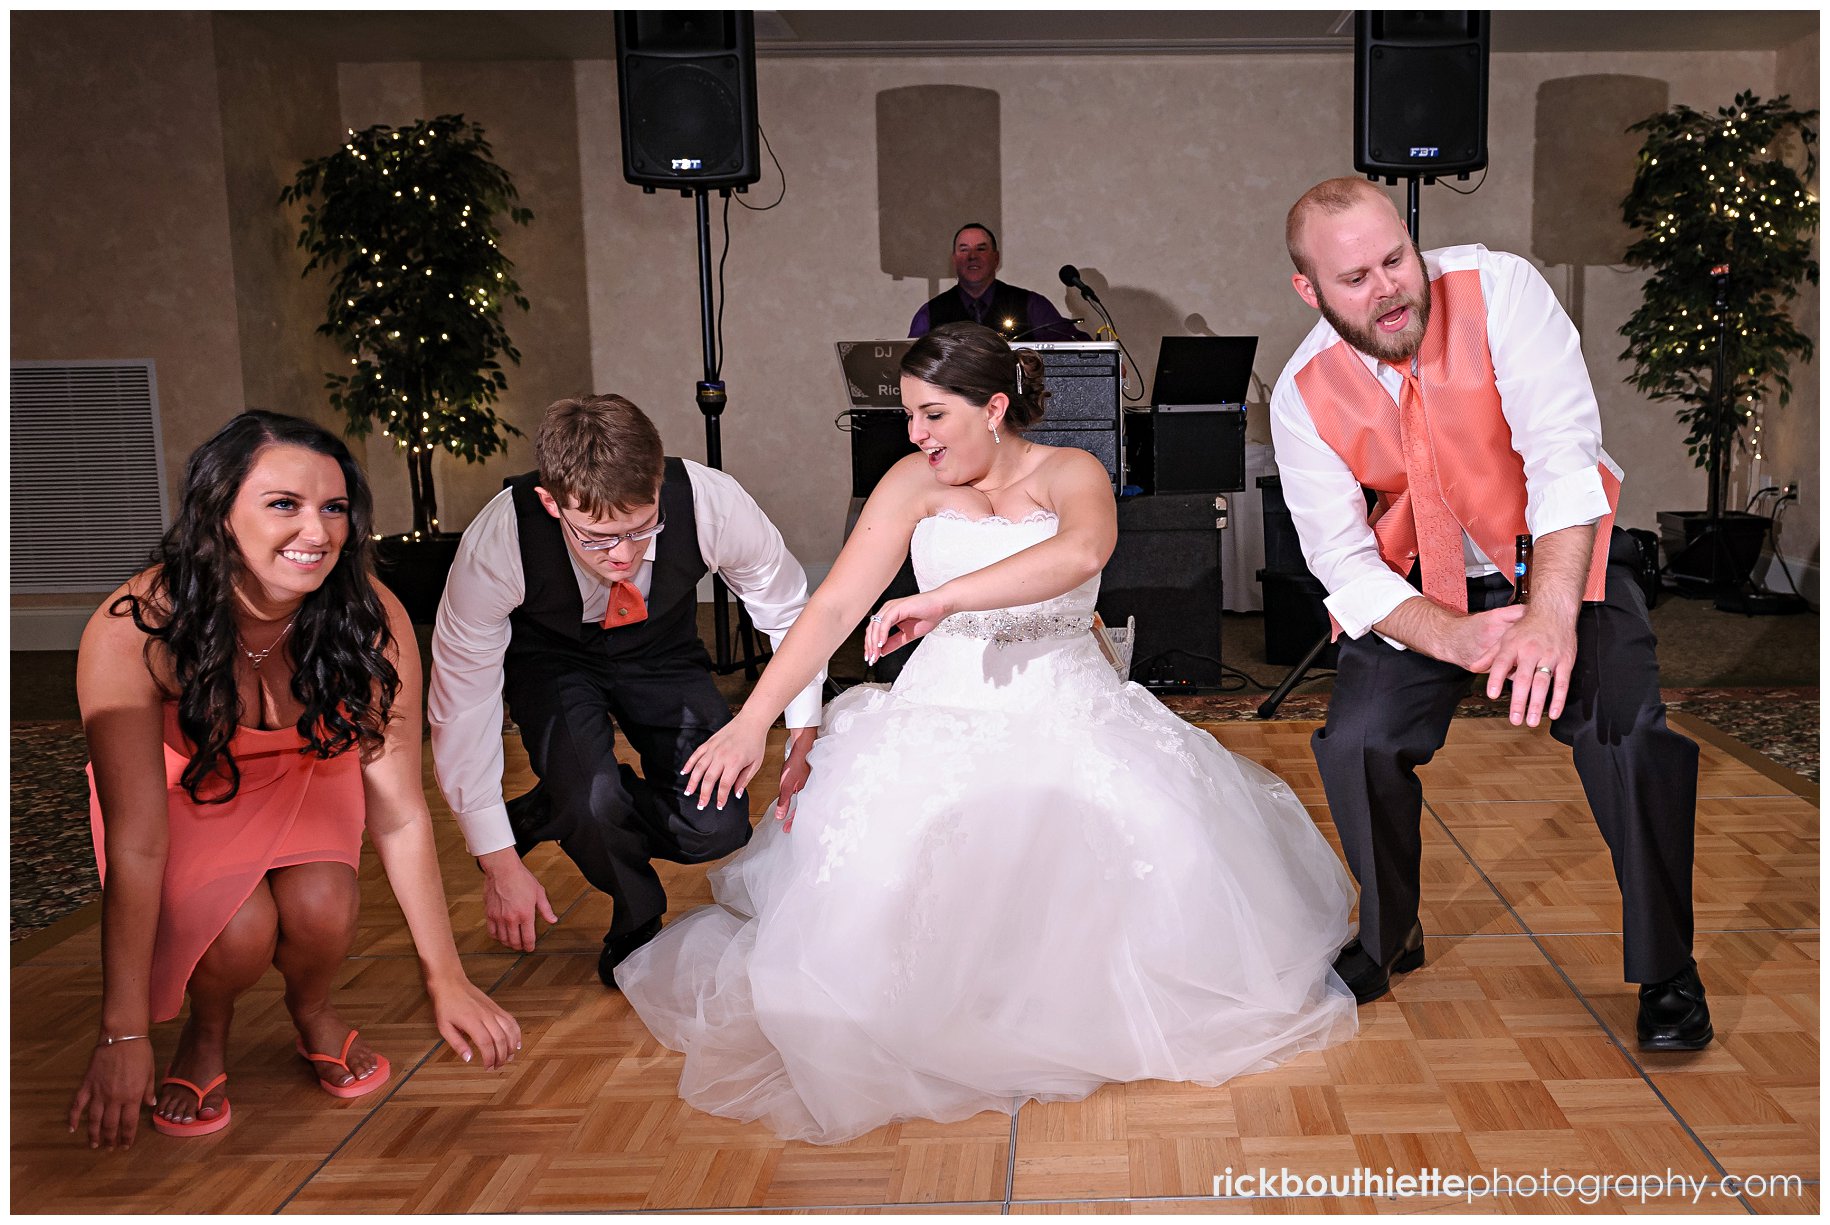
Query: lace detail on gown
x,y
1034,516
1011,877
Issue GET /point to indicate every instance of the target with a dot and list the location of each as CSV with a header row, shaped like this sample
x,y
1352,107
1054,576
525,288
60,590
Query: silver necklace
x,y
257,658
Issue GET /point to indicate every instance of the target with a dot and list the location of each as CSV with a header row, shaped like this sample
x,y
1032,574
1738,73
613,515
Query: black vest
x,y
1007,302
550,618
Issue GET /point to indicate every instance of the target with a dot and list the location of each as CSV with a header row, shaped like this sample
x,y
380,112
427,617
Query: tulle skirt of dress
x,y
1017,887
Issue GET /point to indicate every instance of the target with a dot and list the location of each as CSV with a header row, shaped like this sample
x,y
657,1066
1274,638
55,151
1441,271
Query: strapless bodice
x,y
949,544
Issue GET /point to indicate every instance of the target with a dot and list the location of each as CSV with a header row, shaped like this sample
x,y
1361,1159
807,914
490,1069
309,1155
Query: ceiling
x,y
572,35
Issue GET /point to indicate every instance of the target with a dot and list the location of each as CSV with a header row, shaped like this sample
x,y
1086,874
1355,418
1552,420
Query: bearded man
x,y
1451,383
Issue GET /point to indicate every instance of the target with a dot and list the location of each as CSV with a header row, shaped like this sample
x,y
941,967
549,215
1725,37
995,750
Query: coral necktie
x,y
1438,532
625,606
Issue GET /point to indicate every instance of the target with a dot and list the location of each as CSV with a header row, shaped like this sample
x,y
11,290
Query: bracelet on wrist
x,y
111,1039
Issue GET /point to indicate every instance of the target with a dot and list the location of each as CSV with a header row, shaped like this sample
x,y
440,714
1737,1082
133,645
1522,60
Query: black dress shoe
x,y
1673,1015
1368,979
618,947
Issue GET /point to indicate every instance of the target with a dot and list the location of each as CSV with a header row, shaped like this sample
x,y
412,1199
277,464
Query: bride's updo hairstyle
x,y
975,363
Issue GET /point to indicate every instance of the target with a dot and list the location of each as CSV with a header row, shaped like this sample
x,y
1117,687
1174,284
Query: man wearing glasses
x,y
575,597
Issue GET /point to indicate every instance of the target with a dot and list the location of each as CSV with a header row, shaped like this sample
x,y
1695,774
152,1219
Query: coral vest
x,y
1482,477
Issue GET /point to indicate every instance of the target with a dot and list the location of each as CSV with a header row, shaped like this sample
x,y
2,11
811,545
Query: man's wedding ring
x,y
1547,671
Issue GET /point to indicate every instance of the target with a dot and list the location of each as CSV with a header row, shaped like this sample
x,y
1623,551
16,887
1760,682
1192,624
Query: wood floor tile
x,y
983,1208
1804,1200
1756,862
1504,1051
1408,1152
1064,1170
1475,1059
1450,1206
1504,1105
282,1127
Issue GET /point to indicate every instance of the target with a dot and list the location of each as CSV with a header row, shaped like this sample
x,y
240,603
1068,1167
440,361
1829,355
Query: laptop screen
x,y
872,370
1204,370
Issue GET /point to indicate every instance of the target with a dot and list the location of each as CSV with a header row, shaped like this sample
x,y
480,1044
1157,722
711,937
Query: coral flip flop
x,y
197,1127
356,1088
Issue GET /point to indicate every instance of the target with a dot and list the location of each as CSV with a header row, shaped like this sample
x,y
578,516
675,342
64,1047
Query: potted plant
x,y
1726,218
405,221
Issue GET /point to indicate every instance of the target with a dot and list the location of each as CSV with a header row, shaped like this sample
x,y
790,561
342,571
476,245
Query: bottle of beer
x,y
1521,570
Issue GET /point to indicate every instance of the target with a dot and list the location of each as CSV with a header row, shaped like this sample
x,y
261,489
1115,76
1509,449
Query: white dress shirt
x,y
1545,396
486,584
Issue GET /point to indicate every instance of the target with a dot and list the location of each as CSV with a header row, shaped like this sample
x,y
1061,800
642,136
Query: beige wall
x,y
528,112
1164,178
278,109
121,243
1792,440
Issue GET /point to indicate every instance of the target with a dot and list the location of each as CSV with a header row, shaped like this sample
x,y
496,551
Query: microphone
x,y
1070,276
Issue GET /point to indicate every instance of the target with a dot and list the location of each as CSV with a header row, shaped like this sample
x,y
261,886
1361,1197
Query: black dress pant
x,y
606,818
1390,712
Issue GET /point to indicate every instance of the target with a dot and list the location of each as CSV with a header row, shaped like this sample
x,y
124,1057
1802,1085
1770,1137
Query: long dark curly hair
x,y
340,637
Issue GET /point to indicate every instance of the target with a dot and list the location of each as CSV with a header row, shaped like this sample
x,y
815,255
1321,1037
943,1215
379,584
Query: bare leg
x,y
317,905
234,962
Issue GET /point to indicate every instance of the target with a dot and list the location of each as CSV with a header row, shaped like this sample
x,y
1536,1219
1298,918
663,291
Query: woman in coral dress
x,y
1011,876
252,705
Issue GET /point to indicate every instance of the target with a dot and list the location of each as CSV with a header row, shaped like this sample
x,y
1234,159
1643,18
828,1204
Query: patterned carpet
x,y
53,860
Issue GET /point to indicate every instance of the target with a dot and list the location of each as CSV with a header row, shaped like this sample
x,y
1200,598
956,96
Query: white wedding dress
x,y
1010,877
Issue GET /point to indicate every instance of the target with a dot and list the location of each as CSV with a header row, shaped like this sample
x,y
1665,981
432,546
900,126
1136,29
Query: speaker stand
x,y
709,394
1268,708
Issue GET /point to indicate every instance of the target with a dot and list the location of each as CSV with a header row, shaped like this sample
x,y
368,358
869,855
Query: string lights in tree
x,y
404,220
1730,189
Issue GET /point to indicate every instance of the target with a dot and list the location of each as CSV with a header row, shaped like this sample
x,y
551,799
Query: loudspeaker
x,y
1294,618
1165,571
1186,450
1704,556
1083,403
1102,442
1294,615
879,437
1420,92
1082,411
686,92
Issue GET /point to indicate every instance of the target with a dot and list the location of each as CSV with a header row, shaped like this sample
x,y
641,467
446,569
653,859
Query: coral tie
x,y
1438,533
626,605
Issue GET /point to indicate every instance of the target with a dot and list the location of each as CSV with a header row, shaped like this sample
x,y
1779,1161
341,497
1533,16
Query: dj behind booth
x,y
1171,463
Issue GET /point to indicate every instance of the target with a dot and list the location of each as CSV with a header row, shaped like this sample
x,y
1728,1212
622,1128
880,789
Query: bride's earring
x,y
994,435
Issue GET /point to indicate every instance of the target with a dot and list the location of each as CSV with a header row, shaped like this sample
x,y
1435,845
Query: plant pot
x,y
1704,556
415,570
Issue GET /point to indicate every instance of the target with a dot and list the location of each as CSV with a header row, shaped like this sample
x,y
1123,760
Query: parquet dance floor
x,y
1512,1050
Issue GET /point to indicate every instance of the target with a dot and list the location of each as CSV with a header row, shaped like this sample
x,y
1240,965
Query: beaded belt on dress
x,y
1006,627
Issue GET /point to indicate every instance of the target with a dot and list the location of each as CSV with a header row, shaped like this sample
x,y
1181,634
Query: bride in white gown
x,y
1011,876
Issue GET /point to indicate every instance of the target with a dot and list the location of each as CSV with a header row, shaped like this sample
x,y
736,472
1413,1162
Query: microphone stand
x,y
1092,299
